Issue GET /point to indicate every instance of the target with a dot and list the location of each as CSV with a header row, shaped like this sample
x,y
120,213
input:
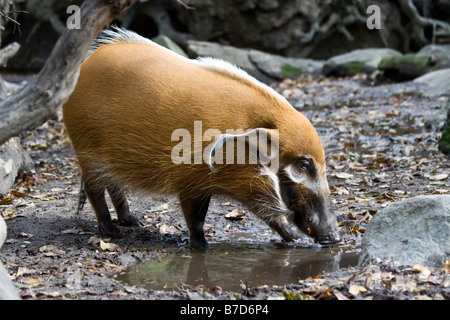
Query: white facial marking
x,y
275,184
317,185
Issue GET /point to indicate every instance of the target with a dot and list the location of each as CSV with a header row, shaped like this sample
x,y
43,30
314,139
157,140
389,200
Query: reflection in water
x,y
228,265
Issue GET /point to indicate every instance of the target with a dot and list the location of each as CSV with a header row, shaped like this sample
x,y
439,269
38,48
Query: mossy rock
x,y
411,66
348,69
357,61
289,71
444,142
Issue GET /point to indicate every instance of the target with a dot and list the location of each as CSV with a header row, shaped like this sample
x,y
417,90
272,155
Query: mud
x,y
231,266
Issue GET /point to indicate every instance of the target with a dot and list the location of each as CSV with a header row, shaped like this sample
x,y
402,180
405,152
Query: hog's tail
x,y
81,196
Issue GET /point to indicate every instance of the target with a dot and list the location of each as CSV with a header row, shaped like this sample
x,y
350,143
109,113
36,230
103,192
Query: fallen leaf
x,y
133,290
71,231
51,294
74,280
107,245
166,229
425,271
7,200
32,281
41,196
339,190
24,203
236,214
421,297
9,212
18,194
93,241
372,280
47,248
404,283
115,267
25,235
446,282
355,289
51,251
24,270
339,295
440,176
343,175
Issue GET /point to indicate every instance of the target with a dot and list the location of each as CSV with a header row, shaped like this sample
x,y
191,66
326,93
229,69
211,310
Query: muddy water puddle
x,y
229,265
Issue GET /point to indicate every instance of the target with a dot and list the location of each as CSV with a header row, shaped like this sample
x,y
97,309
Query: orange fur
x,y
129,99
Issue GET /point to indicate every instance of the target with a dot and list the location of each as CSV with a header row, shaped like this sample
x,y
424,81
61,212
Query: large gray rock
x,y
2,231
437,82
413,231
263,66
357,61
7,289
438,120
238,57
13,159
436,50
282,67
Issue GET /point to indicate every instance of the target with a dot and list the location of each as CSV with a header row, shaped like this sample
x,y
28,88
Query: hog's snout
x,y
324,228
331,238
318,220
305,191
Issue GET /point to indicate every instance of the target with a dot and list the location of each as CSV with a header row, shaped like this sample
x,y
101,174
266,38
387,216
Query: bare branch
x,y
418,22
39,99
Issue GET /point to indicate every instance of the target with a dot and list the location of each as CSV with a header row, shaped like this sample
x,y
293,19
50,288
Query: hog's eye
x,y
303,164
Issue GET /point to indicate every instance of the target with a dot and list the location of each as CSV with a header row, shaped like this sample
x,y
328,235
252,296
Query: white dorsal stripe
x,y
122,35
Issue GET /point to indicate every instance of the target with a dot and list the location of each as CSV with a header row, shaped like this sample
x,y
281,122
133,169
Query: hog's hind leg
x,y
121,205
96,196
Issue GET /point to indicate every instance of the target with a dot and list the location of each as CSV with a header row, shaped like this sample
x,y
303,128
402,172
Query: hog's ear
x,y
263,146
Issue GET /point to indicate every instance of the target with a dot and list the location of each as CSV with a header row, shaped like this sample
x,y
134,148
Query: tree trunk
x,y
39,99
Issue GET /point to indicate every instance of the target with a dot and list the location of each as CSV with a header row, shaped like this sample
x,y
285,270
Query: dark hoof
x,y
130,221
329,240
198,243
110,231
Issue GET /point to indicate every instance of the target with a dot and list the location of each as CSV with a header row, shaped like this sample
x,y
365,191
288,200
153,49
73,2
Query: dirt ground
x,y
379,150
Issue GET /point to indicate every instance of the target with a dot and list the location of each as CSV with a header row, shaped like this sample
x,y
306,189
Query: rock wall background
x,y
317,29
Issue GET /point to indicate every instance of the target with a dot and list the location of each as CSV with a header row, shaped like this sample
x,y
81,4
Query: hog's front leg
x,y
281,226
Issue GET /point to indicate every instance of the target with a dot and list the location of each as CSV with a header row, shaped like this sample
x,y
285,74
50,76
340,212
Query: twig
x,y
8,18
187,7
